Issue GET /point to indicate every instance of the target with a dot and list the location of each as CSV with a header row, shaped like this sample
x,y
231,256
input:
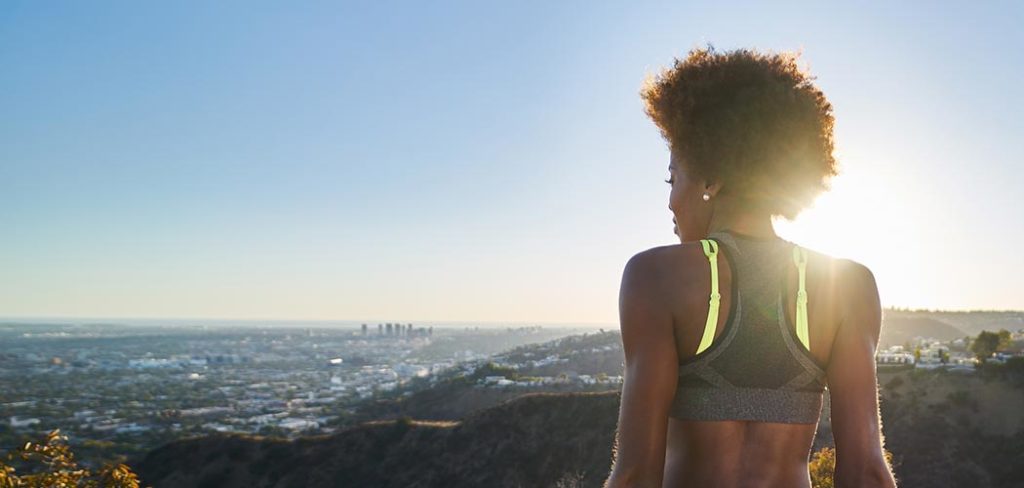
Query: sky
x,y
468,161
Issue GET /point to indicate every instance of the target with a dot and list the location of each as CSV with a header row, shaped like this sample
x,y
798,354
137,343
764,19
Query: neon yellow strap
x,y
711,251
800,258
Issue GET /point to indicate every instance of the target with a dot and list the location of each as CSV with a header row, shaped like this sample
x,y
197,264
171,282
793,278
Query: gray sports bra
x,y
759,369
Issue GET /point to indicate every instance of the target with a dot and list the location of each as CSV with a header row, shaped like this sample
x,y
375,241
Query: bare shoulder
x,y
847,286
646,260
858,285
835,267
847,277
860,307
686,251
653,262
652,276
641,276
855,275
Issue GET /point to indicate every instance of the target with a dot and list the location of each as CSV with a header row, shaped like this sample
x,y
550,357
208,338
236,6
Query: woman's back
x,y
747,405
735,453
757,368
667,437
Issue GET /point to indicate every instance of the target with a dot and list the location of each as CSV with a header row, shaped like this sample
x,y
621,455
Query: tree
x,y
60,468
985,344
1004,339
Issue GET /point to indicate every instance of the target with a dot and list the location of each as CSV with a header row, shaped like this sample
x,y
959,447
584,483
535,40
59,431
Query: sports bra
x,y
759,369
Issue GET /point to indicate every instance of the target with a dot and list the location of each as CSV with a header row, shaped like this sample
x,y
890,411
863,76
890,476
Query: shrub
x,y
60,469
822,466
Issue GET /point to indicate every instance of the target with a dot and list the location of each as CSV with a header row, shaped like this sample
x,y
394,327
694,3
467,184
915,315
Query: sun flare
x,y
862,219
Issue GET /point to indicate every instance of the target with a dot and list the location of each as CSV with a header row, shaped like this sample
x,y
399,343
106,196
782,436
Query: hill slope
x,y
900,328
532,441
944,430
971,323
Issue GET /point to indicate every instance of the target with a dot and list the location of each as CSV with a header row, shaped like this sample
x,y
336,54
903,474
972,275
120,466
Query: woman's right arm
x,y
650,377
853,384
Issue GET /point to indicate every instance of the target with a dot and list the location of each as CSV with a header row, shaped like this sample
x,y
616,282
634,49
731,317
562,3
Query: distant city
x,y
121,390
127,388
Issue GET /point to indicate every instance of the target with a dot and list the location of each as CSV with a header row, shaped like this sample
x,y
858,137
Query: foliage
x,y
404,422
59,468
1012,371
1005,338
823,464
493,369
989,342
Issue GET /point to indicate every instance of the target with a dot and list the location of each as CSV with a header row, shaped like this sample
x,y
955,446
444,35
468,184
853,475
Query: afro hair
x,y
753,121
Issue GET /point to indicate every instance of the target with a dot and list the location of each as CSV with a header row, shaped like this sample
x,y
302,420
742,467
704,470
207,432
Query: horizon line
x,y
355,322
10,318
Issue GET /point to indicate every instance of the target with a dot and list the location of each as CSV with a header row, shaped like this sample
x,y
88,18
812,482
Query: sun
x,y
861,218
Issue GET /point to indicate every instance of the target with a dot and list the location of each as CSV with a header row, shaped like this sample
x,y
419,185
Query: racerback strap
x,y
711,251
800,258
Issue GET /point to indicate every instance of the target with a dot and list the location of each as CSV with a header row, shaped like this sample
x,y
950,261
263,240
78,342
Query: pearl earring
x,y
707,197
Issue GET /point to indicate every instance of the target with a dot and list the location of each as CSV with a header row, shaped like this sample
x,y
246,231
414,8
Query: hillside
x,y
970,323
533,441
458,392
900,328
949,429
944,429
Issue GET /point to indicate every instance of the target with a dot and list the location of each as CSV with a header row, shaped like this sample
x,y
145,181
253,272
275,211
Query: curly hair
x,y
753,121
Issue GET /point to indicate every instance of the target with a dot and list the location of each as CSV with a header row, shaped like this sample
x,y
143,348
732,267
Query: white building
x,y
16,422
298,424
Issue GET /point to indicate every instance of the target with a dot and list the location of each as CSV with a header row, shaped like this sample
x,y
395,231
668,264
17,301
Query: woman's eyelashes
x,y
670,181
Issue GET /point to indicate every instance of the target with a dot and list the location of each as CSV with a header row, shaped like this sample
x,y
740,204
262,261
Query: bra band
x,y
711,251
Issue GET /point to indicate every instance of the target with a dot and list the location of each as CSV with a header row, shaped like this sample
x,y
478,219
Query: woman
x,y
725,375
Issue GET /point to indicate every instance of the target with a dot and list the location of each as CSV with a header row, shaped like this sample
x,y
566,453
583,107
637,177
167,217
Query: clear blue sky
x,y
467,161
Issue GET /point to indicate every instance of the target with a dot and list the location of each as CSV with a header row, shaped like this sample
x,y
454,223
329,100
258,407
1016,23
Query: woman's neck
x,y
744,225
